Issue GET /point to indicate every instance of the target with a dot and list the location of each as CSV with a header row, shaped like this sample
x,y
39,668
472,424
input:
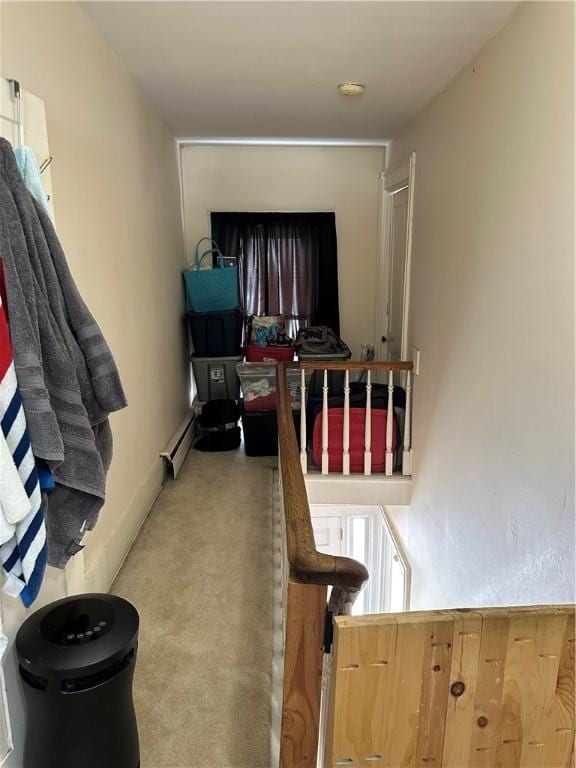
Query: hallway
x,y
200,574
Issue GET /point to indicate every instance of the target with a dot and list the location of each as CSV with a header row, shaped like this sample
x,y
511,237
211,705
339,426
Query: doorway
x,y
394,261
365,533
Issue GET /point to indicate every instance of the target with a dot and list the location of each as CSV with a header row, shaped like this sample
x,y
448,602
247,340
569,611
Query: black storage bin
x,y
76,661
260,430
335,383
216,334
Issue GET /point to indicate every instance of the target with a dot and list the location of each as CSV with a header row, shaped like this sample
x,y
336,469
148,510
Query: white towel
x,y
14,501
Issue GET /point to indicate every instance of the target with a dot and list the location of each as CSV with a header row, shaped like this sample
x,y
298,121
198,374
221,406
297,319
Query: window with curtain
x,y
287,264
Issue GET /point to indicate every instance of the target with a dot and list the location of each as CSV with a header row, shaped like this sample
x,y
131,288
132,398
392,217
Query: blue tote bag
x,y
211,290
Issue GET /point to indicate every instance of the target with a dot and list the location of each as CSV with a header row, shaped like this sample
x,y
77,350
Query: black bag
x,y
320,341
219,415
213,442
219,424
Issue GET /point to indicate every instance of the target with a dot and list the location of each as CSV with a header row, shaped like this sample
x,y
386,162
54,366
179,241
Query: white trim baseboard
x,y
180,443
358,489
100,574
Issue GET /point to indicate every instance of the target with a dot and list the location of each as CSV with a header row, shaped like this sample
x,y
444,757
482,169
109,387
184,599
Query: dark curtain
x,y
287,264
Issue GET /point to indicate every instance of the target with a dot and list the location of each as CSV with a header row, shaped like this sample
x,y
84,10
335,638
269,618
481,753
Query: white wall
x,y
492,515
344,180
115,182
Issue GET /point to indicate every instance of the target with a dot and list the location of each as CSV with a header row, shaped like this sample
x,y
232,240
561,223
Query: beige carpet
x,y
201,574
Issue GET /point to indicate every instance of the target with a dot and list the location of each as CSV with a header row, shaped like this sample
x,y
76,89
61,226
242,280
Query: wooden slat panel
x,y
401,747
515,704
363,668
460,710
434,694
303,652
538,738
549,737
563,708
489,683
492,688
387,720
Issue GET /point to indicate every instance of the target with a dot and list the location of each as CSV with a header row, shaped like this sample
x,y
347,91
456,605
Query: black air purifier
x,y
76,659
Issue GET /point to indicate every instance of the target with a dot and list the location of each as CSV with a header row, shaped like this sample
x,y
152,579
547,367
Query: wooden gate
x,y
490,688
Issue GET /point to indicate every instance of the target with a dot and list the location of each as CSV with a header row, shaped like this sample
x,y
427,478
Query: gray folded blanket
x,y
66,374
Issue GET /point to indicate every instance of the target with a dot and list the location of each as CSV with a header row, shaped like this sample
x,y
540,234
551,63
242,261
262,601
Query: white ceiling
x,y
270,69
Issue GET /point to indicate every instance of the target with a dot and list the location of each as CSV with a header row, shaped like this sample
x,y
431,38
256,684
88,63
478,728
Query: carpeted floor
x,y
201,574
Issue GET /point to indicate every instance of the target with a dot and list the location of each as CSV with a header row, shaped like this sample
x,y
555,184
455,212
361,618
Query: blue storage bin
x,y
216,334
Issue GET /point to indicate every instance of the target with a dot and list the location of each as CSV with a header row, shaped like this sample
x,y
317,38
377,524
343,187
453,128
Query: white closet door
x,y
398,233
395,245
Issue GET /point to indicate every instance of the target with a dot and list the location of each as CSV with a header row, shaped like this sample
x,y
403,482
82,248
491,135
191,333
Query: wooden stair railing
x,y
310,573
348,369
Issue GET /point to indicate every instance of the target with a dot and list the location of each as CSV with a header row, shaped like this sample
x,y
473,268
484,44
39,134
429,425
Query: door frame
x,y
393,179
383,544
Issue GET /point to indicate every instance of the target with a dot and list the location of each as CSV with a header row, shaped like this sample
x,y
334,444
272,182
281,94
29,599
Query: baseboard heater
x,y
178,447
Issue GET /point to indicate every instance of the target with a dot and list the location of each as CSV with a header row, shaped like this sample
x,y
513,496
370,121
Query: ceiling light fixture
x,y
351,89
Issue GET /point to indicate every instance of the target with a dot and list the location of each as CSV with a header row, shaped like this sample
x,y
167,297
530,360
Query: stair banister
x,y
312,572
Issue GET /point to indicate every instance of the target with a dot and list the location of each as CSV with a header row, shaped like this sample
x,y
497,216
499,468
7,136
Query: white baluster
x,y
303,449
368,427
390,425
346,426
325,469
407,448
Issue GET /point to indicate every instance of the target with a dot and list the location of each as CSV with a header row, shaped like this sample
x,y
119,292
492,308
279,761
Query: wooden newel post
x,y
303,655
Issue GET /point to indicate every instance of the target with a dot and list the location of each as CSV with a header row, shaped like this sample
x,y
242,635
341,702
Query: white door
x,y
393,285
396,297
366,533
328,534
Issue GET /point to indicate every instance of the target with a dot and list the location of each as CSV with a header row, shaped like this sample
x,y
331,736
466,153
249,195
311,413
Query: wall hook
x,y
45,164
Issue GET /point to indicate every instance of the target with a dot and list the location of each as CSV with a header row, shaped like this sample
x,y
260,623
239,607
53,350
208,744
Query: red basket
x,y
266,403
256,354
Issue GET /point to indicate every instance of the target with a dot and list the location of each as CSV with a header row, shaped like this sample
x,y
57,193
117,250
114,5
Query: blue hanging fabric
x,y
28,167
